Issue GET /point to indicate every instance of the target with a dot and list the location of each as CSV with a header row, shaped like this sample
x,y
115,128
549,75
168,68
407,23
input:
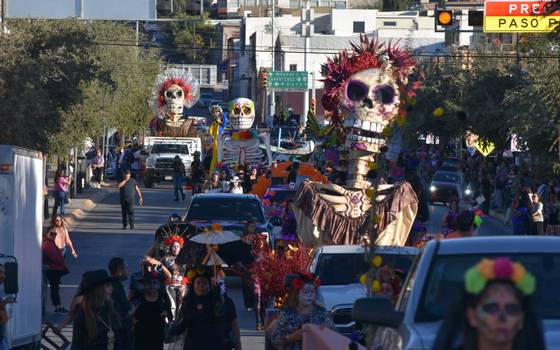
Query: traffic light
x,y
476,18
444,18
263,75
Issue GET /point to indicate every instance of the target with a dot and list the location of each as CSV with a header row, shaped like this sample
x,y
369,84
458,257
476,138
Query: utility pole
x,y
272,103
306,29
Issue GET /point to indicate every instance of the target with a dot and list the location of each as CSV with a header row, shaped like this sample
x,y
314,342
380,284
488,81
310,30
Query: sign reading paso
x,y
520,16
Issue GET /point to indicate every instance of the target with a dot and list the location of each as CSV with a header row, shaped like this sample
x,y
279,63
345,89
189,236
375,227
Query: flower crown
x,y
195,272
174,239
478,276
303,278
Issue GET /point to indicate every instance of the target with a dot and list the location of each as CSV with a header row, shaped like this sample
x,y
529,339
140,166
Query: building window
x,y
389,24
293,67
359,27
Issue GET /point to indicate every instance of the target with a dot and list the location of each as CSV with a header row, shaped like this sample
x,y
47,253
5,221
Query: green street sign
x,y
287,80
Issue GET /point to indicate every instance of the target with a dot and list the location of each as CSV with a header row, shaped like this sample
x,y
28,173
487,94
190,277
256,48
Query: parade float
x,y
239,142
366,90
171,132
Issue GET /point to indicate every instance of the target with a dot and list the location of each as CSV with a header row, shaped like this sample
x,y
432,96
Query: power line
x,y
331,51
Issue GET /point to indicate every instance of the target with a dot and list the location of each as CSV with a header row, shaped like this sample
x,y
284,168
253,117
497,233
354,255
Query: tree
x,y
193,39
64,81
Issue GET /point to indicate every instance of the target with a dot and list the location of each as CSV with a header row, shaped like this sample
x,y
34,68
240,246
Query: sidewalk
x,y
81,204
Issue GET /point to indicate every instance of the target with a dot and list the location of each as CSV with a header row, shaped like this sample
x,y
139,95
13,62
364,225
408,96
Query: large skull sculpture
x,y
174,99
241,114
372,101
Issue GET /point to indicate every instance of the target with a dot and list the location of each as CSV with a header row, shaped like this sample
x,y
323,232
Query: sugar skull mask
x,y
241,114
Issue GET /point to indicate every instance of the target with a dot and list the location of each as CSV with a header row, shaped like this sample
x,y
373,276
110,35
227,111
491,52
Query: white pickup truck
x,y
339,267
162,152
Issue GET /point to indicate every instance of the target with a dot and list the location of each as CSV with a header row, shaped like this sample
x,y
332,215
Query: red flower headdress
x,y
172,239
175,76
303,278
366,54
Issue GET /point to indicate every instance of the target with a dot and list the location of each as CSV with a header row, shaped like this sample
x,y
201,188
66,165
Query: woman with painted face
x,y
299,308
202,315
495,312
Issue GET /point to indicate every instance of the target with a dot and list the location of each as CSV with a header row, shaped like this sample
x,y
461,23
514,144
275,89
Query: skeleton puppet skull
x,y
241,114
174,99
371,98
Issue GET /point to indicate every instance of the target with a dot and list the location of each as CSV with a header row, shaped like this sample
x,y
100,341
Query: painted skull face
x,y
241,114
371,97
174,99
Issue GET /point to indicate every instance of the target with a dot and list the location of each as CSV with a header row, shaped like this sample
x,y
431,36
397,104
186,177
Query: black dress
x,y
149,325
203,320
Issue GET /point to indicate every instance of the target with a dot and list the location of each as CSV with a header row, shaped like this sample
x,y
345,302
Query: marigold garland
x,y
478,276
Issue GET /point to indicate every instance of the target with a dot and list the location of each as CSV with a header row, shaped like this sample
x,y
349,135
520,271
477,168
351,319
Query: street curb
x,y
78,214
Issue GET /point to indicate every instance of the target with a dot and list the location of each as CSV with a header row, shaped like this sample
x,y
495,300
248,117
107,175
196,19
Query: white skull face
x,y
174,99
241,114
371,98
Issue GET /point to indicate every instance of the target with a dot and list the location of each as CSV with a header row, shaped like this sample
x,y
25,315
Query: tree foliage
x,y
64,81
193,39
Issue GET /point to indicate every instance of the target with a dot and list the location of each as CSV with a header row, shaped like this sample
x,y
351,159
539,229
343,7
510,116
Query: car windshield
x,y
446,177
346,268
170,148
234,209
445,283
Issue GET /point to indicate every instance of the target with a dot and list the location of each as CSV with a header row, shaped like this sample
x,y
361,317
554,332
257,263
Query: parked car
x,y
446,187
437,279
339,267
450,164
231,211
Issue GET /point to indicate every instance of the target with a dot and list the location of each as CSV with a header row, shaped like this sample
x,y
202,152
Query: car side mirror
x,y
11,281
376,311
276,221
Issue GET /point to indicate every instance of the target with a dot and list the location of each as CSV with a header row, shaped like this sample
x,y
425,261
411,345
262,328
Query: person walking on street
x,y
537,217
97,165
61,183
150,317
62,240
128,186
55,269
97,325
196,171
178,176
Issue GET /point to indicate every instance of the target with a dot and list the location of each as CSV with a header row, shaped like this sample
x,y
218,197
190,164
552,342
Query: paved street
x,y
491,226
99,237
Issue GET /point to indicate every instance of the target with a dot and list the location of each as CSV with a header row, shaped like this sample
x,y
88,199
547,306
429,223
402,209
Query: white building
x,y
332,32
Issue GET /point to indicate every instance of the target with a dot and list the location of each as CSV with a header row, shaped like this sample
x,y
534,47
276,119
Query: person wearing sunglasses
x,y
496,311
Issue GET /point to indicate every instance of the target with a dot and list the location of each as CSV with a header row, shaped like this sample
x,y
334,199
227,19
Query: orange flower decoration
x,y
216,227
486,267
518,272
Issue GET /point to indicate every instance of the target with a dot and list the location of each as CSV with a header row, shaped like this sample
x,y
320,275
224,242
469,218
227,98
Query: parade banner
x,y
520,16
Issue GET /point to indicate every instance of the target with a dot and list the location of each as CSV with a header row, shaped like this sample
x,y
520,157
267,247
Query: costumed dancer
x,y
176,280
174,89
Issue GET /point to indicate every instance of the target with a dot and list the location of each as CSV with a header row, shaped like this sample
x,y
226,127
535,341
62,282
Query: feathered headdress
x,y
174,239
177,76
366,54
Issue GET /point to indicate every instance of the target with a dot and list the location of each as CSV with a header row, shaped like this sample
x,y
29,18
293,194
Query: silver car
x,y
436,281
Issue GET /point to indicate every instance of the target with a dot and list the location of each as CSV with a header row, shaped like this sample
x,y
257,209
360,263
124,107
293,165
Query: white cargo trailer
x,y
21,221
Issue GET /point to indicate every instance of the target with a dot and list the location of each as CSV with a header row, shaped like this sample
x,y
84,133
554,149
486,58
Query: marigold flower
x,y
486,267
518,272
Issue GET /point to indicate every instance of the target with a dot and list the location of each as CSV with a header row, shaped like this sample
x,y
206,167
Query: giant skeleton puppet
x,y
241,143
365,90
174,90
